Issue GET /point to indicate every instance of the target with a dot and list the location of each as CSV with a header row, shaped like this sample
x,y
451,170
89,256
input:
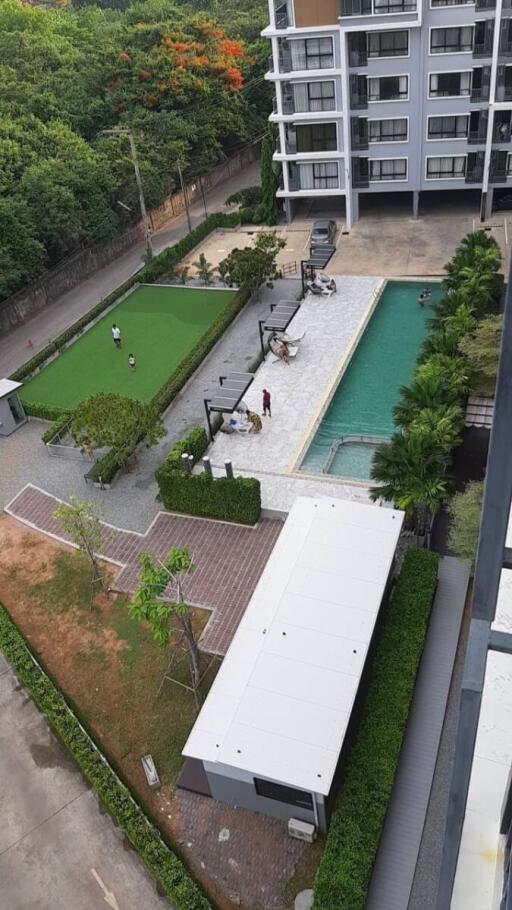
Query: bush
x,y
194,443
237,499
247,215
343,876
44,411
165,865
56,427
250,196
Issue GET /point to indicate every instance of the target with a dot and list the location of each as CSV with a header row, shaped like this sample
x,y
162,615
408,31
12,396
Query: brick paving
x,y
229,558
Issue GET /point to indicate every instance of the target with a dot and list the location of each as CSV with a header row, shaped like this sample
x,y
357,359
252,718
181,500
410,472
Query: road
x,y
58,849
50,322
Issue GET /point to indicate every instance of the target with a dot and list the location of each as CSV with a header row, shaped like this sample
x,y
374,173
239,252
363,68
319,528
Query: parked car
x,y
324,231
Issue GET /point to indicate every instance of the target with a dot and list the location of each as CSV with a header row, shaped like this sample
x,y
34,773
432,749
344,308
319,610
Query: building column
x,y
415,204
355,206
288,210
486,204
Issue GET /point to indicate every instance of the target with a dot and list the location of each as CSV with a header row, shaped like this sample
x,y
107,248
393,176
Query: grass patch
x,y
345,870
68,585
159,325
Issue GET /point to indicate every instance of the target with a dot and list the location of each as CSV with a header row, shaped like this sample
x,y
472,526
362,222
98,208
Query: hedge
x,y
343,877
165,865
194,443
228,499
158,266
56,427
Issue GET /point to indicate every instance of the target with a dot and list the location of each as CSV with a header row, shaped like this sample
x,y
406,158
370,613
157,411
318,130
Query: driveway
x,y
58,848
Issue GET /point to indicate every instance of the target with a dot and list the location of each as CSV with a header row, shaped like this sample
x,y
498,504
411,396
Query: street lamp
x,y
118,131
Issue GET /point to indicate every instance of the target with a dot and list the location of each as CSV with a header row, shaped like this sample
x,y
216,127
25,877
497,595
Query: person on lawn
x,y
116,335
132,363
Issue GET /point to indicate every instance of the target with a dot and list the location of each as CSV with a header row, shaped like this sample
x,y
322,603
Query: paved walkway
x,y
229,558
58,848
53,320
394,870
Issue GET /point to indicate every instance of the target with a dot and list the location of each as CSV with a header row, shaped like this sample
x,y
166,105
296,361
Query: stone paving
x,y
229,558
300,393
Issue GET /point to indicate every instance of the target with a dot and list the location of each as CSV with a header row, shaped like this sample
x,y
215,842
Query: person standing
x,y
266,404
116,335
132,363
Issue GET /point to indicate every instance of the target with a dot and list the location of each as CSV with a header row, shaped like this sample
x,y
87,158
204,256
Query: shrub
x,y
465,510
345,869
250,196
44,411
165,865
194,443
228,499
56,428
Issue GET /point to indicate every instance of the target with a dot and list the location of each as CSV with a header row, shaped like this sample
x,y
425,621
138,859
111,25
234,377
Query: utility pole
x,y
184,191
140,188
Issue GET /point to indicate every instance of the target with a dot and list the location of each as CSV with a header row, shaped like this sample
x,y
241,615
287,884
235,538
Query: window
x,y
388,44
321,96
509,165
393,6
388,169
387,130
387,88
317,137
312,54
325,176
451,40
444,85
443,168
290,795
435,3
455,127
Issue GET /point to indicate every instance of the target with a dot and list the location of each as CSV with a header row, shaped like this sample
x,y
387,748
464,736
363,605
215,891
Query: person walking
x,y
116,335
266,404
132,363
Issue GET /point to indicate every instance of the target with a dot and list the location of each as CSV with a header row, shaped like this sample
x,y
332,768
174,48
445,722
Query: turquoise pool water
x,y
383,361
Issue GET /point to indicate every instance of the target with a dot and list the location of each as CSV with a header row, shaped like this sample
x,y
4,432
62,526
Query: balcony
x,y
475,175
479,94
484,4
501,133
505,49
358,58
477,137
358,102
483,48
360,178
359,133
504,92
498,174
356,7
281,16
475,167
270,64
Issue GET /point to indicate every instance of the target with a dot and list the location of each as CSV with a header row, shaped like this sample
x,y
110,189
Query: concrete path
x,y
393,874
229,558
53,320
58,848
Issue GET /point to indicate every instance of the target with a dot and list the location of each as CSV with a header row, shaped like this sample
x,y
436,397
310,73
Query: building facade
x,y
391,95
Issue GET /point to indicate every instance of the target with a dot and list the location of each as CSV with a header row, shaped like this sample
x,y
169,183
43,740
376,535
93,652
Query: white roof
x,y
280,704
7,386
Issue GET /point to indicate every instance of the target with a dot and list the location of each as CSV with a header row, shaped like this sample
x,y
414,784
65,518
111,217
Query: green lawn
x,y
159,326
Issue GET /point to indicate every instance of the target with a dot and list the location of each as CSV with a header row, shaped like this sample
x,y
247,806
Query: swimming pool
x,y
363,402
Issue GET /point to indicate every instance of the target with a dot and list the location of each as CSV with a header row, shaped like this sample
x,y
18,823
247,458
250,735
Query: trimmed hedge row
x,y
194,443
228,499
343,877
158,266
56,427
165,865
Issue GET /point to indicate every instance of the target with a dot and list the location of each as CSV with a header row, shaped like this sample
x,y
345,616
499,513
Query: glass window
x,y
393,6
290,795
325,175
444,85
387,88
451,2
451,40
448,127
319,54
387,130
388,44
442,168
321,96
388,169
317,137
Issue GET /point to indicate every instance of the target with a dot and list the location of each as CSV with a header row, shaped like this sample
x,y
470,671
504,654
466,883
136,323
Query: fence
x,y
44,291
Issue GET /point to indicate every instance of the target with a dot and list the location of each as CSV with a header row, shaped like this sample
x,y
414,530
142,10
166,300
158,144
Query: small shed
x,y
271,732
12,412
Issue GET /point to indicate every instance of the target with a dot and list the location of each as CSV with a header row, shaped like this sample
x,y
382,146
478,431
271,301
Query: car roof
x,y
323,222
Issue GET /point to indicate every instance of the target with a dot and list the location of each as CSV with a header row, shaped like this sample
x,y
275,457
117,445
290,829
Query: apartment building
x,y
373,96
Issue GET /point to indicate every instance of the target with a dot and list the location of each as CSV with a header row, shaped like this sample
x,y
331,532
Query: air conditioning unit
x,y
301,830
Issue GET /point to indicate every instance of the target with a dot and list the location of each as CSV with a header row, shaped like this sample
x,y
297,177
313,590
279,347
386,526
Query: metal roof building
x,y
271,731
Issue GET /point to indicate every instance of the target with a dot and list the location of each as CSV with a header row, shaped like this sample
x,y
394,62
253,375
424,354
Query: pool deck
x,y
301,392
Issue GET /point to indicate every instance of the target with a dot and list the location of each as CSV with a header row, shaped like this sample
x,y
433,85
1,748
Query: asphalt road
x,y
58,849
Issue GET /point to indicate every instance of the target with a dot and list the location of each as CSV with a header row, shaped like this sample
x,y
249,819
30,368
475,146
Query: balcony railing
x,y
282,18
359,143
358,102
356,7
475,175
477,137
498,175
505,49
395,96
288,106
479,94
483,48
321,183
504,92
501,134
271,64
484,4
402,6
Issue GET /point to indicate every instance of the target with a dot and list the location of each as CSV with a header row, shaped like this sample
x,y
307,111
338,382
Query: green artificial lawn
x,y
159,326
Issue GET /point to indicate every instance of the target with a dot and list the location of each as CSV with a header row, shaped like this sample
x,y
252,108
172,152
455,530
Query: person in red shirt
x,y
266,404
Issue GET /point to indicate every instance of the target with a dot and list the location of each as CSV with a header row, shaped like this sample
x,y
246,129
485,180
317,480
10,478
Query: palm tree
x,y
426,391
477,251
452,370
480,290
443,424
451,329
204,269
409,472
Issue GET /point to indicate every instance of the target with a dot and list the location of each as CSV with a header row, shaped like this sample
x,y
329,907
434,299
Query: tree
x,y
269,181
80,520
426,391
465,510
204,269
443,424
445,340
250,267
110,420
409,472
480,349
148,605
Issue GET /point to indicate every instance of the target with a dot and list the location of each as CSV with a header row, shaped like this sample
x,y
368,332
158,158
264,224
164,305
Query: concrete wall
x,y
236,788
